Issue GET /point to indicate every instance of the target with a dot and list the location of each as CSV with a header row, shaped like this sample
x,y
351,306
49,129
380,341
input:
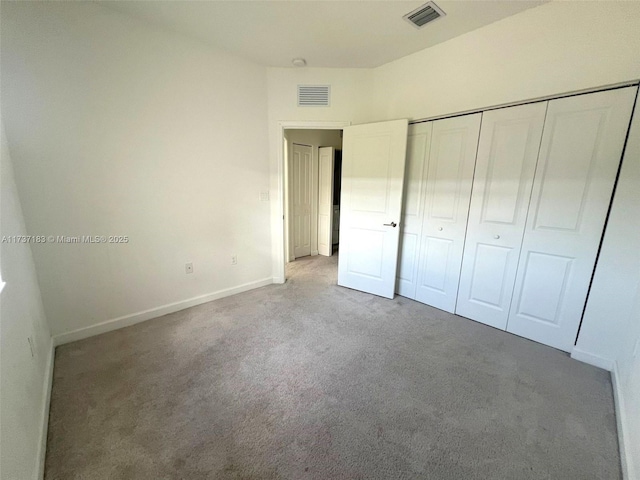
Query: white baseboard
x,y
591,359
624,443
132,319
46,402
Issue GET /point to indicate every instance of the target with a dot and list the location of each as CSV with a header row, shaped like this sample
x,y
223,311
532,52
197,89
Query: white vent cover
x,y
313,95
424,14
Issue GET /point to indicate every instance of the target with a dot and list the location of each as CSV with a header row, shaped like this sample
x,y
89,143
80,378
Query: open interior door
x,y
371,203
325,200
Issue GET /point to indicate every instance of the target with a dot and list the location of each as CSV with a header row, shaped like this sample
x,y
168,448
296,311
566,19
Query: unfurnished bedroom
x,y
320,240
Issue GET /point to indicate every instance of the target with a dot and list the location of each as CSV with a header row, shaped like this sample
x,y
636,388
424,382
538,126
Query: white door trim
x,y
326,161
278,227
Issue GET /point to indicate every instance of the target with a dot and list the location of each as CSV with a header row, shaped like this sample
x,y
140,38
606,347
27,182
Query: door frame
x,y
280,237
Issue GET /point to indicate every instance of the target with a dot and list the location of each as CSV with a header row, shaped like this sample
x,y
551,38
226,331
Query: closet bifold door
x,y
505,166
452,156
418,144
581,148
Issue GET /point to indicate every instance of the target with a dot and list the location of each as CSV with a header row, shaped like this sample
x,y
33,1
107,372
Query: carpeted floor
x,y
309,380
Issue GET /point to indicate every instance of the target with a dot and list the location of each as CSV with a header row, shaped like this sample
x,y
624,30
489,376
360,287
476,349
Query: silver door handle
x,y
496,237
392,224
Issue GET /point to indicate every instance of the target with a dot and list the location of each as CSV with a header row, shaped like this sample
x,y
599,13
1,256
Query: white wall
x,y
554,48
315,139
628,380
351,101
121,128
24,378
610,333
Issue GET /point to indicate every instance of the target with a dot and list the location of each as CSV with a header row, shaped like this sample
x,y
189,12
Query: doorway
x,y
312,175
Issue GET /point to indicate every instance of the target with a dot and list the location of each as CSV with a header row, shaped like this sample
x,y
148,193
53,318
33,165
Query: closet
x,y
504,211
505,166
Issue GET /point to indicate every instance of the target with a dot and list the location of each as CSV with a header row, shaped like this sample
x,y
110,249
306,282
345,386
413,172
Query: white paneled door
x,y
301,184
371,202
450,166
418,144
505,166
579,157
325,200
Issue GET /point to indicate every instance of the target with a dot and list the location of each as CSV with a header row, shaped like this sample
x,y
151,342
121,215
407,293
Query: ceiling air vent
x,y
424,14
313,95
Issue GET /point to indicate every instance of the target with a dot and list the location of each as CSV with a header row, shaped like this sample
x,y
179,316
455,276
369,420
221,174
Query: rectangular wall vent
x,y
425,14
313,95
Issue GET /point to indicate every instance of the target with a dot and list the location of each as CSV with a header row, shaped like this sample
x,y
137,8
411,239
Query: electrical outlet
x,y
264,196
188,267
234,259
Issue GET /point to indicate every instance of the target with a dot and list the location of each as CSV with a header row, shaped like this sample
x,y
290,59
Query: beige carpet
x,y
309,380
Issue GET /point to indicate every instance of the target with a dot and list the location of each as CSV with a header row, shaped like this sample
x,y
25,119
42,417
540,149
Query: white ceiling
x,y
355,33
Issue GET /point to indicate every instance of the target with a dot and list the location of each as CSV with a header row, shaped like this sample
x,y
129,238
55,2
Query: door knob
x,y
496,237
439,229
392,224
